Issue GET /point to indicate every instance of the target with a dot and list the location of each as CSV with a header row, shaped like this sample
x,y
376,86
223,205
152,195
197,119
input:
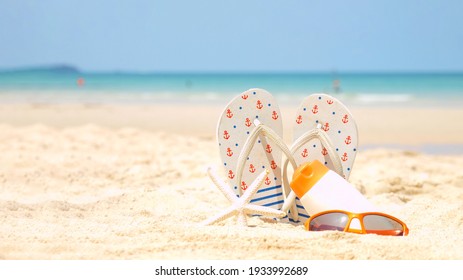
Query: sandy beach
x,y
109,181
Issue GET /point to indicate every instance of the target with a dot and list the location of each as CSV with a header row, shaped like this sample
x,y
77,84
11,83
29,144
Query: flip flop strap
x,y
258,131
316,133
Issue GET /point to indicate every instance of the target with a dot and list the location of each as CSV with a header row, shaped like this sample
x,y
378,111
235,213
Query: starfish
x,y
241,206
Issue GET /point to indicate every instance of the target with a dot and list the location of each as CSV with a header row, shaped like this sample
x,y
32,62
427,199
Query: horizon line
x,y
72,69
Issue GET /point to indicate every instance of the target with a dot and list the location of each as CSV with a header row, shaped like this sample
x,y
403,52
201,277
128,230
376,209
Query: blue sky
x,y
208,36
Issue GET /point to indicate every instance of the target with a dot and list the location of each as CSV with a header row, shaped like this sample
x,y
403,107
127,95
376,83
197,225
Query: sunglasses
x,y
363,223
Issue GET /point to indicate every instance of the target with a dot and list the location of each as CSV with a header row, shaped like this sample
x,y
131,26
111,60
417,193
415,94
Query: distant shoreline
x,y
133,97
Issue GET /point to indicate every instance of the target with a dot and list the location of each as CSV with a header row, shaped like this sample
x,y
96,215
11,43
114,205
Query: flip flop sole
x,y
234,127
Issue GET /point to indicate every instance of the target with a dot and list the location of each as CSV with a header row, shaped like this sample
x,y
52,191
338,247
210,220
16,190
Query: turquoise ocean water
x,y
63,84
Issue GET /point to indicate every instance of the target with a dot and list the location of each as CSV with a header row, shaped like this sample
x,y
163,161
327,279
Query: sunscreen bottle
x,y
321,189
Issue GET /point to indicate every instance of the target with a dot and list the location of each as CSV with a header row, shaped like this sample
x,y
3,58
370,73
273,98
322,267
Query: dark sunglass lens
x,y
382,225
330,221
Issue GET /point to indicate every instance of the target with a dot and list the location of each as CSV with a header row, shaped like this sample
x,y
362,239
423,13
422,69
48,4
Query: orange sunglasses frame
x,y
360,216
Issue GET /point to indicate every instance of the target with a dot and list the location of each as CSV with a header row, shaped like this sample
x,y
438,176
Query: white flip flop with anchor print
x,y
248,134
324,130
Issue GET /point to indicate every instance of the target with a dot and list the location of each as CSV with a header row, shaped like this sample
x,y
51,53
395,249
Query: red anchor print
x,y
326,127
315,109
244,96
229,114
329,101
267,181
229,152
252,169
273,165
344,157
226,135
244,186
230,174
299,119
324,151
345,119
348,140
268,149
247,122
304,153
274,115
259,105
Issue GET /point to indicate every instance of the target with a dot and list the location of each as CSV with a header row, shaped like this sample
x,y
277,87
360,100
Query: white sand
x,y
133,186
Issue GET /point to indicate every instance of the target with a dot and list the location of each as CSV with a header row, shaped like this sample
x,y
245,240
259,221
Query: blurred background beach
x,y
108,114
414,111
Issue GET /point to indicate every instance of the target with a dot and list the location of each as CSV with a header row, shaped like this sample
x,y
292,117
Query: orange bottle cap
x,y
306,176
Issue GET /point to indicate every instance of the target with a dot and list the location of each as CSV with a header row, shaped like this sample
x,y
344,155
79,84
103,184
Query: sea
x,y
67,84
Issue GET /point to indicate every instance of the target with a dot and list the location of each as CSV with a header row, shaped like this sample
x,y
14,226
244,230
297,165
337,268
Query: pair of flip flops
x,y
249,137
